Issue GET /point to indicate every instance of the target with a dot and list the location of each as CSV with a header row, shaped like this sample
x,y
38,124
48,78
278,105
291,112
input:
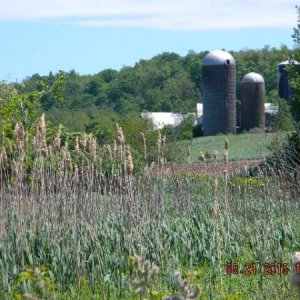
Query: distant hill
x,y
167,83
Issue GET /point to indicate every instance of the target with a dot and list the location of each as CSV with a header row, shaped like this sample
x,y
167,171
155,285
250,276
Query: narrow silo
x,y
284,89
219,93
253,102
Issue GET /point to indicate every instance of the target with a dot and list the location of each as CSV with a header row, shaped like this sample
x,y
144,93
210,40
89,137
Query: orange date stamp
x,y
267,269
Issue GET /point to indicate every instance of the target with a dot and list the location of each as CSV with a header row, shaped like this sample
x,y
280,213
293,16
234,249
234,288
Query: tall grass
x,y
81,213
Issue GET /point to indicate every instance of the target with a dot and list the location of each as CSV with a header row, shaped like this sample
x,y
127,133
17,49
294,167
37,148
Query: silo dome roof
x,y
288,62
253,77
218,57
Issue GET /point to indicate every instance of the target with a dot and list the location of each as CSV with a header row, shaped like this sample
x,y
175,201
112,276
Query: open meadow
x,y
247,146
78,223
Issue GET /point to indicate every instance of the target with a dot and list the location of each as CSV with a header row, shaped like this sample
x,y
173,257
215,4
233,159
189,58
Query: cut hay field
x,y
241,147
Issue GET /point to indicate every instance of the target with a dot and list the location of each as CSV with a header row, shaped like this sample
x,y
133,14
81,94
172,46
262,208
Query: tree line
x,y
168,82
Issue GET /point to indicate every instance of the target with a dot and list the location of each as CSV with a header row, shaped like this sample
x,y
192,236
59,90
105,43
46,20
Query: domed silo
x,y
284,89
253,102
219,93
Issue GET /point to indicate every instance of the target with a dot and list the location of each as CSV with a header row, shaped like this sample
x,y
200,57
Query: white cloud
x,y
168,14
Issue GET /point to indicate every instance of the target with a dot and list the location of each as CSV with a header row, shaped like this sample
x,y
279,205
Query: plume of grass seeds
x,y
76,147
66,156
57,140
3,156
226,144
40,136
89,138
83,141
187,291
34,145
19,134
115,148
93,149
26,138
201,156
188,154
128,161
216,155
144,274
225,156
163,142
158,145
158,142
120,138
144,145
50,150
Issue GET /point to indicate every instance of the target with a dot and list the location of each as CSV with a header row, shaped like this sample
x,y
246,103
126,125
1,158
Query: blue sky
x,y
39,36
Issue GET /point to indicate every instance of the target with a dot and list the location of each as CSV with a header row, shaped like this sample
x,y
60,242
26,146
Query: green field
x,y
241,147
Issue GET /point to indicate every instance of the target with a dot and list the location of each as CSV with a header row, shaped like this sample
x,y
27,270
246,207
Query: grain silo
x,y
253,104
219,93
284,89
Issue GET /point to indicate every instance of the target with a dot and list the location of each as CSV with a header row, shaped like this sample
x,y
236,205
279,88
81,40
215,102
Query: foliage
x,y
185,130
23,106
35,284
167,82
283,119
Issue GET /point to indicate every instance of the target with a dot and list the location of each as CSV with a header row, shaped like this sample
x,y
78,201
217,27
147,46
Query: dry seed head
x,y
43,149
143,138
40,137
163,141
93,150
20,135
115,149
158,142
3,156
76,146
225,155
34,146
226,144
89,141
188,151
68,160
188,154
28,296
216,155
17,168
201,156
66,156
83,141
128,161
120,138
57,140
41,127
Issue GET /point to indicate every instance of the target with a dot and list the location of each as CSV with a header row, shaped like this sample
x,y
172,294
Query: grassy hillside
x,y
241,147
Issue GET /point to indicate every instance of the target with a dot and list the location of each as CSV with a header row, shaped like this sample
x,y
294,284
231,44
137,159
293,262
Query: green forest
x,y
167,83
